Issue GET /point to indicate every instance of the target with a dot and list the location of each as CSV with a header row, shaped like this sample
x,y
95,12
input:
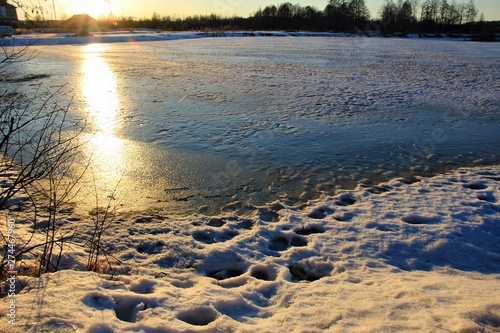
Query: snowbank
x,y
418,255
146,35
136,36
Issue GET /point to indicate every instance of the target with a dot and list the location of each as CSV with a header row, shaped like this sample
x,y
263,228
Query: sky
x,y
145,8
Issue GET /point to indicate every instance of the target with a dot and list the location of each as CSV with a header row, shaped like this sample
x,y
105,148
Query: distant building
x,y
8,13
6,29
83,23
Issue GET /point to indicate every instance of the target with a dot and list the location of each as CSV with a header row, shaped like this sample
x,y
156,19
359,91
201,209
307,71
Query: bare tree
x,y
37,140
359,11
103,217
12,55
470,12
40,146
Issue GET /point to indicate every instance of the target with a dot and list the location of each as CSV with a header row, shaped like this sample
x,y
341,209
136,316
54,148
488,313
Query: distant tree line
x,y
436,16
394,16
339,15
400,16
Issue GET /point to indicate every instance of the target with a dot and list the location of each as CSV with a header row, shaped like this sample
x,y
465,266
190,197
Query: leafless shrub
x,y
40,158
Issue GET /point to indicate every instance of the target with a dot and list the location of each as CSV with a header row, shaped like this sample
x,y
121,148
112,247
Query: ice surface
x,y
419,256
226,123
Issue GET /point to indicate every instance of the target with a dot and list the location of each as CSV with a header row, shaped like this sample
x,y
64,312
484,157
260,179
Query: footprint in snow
x,y
126,310
263,272
149,247
201,316
143,286
281,243
306,231
378,189
126,307
346,217
268,215
320,213
476,186
211,236
245,224
307,270
216,222
345,200
225,274
488,196
418,219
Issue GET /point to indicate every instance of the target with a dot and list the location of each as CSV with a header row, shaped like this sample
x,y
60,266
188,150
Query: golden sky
x,y
145,8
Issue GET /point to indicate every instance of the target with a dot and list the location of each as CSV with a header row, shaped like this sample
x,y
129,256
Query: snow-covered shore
x,y
419,255
146,35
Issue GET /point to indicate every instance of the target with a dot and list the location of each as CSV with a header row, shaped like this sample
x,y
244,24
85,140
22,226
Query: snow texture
x,y
412,255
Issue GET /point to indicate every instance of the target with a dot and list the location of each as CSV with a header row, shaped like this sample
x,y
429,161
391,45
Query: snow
x,y
148,35
420,254
410,254
145,35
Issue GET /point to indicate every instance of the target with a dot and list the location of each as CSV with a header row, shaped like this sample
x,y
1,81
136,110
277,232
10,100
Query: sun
x,y
94,8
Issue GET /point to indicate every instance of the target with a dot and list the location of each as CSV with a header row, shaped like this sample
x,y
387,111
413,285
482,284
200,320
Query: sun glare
x,y
94,8
100,91
99,88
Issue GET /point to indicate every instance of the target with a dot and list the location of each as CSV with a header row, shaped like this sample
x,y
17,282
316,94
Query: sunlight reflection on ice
x,y
108,159
118,165
99,89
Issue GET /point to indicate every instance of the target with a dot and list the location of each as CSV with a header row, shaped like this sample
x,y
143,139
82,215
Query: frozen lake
x,y
224,123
